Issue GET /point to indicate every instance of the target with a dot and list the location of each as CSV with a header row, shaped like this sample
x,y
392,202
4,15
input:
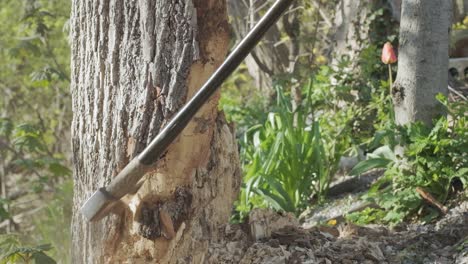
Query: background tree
x,y
423,60
268,58
35,117
290,46
134,64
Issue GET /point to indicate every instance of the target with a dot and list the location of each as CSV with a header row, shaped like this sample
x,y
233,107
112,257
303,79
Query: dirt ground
x,y
286,241
269,237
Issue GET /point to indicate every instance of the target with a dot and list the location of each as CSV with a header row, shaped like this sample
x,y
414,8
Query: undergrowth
x,y
435,160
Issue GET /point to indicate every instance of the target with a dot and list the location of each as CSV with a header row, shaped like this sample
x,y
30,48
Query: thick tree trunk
x,y
134,65
423,60
460,9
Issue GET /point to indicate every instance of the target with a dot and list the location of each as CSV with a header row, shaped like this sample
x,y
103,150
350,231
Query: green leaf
x,y
379,137
287,202
369,164
433,214
42,258
6,127
59,170
394,217
250,186
383,152
275,201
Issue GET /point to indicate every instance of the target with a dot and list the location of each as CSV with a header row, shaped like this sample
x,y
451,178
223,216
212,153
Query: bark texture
x,y
273,56
460,9
423,60
351,29
270,57
134,64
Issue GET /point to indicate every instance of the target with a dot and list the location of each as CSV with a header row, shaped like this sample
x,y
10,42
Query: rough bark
x,y
423,60
460,9
134,64
351,29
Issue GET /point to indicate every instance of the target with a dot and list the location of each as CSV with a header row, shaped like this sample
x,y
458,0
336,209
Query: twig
x,y
322,13
431,200
18,217
54,60
457,93
260,64
18,154
262,6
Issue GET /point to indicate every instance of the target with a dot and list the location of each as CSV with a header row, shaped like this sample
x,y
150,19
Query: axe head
x,y
98,205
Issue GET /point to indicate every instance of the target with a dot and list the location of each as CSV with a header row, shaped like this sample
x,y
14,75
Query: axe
x,y
99,204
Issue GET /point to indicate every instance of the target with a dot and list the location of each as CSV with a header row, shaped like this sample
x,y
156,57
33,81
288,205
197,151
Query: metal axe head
x,y
98,205
128,181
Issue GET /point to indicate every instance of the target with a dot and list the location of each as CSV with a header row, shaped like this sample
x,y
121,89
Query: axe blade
x,y
95,207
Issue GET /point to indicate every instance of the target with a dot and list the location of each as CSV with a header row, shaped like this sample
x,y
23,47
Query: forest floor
x,y
270,237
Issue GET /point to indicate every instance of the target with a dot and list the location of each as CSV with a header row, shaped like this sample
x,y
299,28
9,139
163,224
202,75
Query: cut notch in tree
x,y
98,205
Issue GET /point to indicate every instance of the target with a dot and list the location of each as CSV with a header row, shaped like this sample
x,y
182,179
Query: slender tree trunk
x,y
269,57
423,60
460,10
134,64
351,29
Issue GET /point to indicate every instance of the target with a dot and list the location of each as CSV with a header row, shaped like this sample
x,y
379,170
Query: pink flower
x,y
388,54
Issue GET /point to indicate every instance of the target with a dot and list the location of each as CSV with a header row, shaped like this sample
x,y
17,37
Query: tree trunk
x,y
351,30
460,9
134,64
268,58
423,60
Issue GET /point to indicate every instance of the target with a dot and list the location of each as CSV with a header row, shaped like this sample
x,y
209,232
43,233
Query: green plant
x,y
461,25
25,151
368,215
35,112
12,251
243,104
56,216
288,159
433,158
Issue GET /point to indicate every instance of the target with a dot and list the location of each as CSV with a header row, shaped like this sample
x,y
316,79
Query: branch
x,y
322,13
18,217
260,64
457,93
17,154
431,200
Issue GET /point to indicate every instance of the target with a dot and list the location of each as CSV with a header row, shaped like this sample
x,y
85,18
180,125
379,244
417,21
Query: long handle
x,y
133,172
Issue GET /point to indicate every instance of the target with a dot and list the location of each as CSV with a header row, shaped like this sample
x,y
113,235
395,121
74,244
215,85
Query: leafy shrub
x,y
433,159
289,158
25,151
243,105
340,112
52,225
12,251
